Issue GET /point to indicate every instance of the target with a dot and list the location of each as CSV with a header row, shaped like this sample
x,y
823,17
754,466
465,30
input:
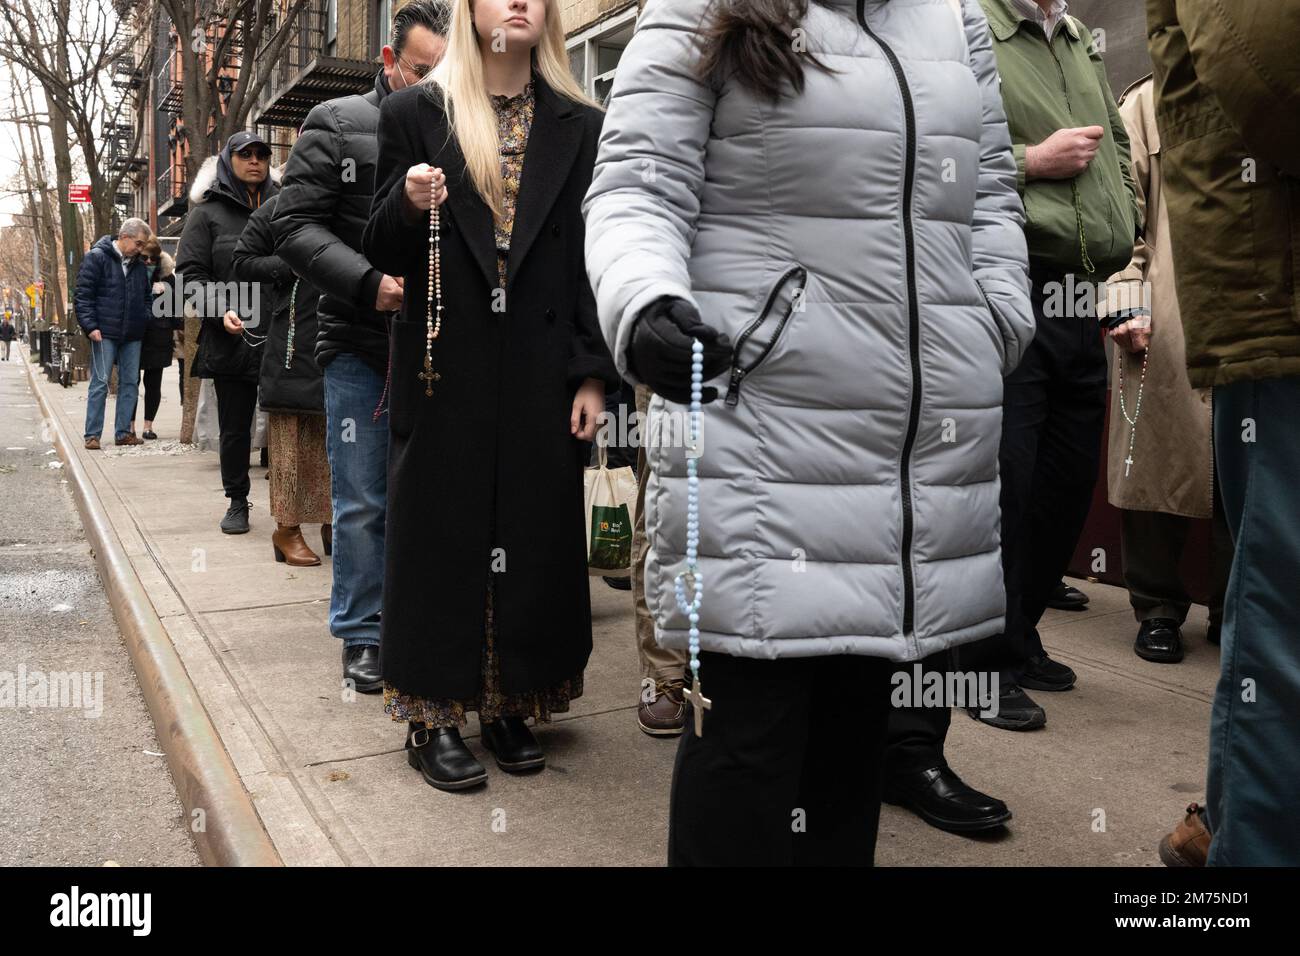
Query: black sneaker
x,y
236,519
1016,711
1159,640
1042,673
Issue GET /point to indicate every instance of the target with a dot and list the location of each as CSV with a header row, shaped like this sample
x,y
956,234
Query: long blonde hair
x,y
458,80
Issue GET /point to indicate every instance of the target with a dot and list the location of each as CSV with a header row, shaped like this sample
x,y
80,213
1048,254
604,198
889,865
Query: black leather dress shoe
x,y
442,758
361,666
1042,673
1159,640
1016,711
1066,598
513,744
940,798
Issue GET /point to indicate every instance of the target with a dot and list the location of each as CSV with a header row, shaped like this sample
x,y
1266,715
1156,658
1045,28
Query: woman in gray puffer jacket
x,y
843,233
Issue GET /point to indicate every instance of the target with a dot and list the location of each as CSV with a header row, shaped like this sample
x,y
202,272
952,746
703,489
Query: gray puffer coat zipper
x,y
849,485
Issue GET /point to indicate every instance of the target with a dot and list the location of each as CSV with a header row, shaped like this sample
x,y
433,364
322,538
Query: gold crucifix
x,y
429,376
699,704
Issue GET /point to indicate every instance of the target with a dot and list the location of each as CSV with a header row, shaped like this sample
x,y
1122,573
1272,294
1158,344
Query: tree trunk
x,y
191,403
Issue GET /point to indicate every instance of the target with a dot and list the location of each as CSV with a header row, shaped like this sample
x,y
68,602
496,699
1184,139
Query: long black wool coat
x,y
484,475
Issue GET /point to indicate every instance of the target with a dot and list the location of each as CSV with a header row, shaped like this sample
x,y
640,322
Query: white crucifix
x,y
699,704
1128,463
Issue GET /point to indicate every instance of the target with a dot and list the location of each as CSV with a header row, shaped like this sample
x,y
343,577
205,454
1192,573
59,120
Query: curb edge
x,y
202,771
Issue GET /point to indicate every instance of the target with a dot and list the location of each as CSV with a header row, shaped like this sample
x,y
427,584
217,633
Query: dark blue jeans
x,y
357,447
1255,724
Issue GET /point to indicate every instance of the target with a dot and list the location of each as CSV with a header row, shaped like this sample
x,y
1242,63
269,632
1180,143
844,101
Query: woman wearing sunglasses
x,y
226,190
160,337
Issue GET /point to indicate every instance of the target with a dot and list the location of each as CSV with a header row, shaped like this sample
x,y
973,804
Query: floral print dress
x,y
514,122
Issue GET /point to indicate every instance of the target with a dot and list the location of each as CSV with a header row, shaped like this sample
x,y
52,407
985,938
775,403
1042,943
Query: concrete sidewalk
x,y
1120,757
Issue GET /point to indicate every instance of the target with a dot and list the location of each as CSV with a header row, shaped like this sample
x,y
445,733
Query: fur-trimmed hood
x,y
166,266
207,182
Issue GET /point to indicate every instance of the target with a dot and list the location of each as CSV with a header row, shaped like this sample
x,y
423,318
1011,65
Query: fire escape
x,y
172,188
124,150
303,75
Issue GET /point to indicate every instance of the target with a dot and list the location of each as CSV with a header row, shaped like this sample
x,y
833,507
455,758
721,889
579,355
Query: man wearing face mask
x,y
226,190
112,300
318,222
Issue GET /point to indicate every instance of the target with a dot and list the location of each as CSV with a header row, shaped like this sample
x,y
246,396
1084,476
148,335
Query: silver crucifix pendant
x,y
699,704
1128,463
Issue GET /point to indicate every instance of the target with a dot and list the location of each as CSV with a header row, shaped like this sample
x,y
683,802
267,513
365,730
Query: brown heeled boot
x,y
291,548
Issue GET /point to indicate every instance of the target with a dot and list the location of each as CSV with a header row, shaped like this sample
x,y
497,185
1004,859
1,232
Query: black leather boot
x,y
940,798
442,758
361,666
513,744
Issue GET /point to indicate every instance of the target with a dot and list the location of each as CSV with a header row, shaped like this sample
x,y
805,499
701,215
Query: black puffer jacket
x,y
219,210
328,184
290,379
325,200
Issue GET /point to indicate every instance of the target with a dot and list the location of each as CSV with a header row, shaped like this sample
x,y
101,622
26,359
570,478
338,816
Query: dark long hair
x,y
753,41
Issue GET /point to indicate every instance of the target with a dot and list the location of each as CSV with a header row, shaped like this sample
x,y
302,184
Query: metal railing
x,y
170,184
307,41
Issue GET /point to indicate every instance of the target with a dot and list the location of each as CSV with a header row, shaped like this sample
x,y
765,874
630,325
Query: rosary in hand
x,y
433,292
688,606
691,607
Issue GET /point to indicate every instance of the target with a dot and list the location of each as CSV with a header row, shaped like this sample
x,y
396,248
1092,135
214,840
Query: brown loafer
x,y
290,547
664,715
1189,844
92,444
129,440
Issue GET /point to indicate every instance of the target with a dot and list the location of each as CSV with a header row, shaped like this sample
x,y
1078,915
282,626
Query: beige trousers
x,y
657,663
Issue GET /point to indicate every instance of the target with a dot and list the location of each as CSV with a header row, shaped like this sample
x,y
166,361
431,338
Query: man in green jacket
x,y
1071,150
1227,81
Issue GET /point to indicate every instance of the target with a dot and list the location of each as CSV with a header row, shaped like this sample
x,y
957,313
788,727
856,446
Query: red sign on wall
x,y
79,192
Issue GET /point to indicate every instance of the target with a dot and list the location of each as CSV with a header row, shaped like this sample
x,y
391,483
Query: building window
x,y
383,26
594,53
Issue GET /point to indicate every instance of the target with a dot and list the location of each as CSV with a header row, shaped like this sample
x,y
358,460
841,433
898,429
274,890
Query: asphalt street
x,y
83,782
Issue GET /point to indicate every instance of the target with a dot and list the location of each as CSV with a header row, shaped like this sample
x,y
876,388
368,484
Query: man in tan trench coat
x,y
1160,469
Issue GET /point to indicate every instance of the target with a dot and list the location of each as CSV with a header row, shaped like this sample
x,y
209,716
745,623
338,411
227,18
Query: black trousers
x,y
236,407
181,363
151,379
916,734
788,769
1053,413
1153,548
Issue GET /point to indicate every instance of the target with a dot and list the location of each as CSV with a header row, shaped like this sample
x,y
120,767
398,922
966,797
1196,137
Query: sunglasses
x,y
421,70
249,152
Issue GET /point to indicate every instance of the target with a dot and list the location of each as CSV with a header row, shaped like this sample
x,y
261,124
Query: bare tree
x,y
218,42
42,202
70,47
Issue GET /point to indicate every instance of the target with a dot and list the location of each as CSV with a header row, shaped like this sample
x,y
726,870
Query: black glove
x,y
660,350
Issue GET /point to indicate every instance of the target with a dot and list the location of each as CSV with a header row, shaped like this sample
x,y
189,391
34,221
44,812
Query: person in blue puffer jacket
x,y
113,305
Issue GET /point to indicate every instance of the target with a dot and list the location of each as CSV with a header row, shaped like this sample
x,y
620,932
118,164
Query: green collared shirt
x,y
1058,83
